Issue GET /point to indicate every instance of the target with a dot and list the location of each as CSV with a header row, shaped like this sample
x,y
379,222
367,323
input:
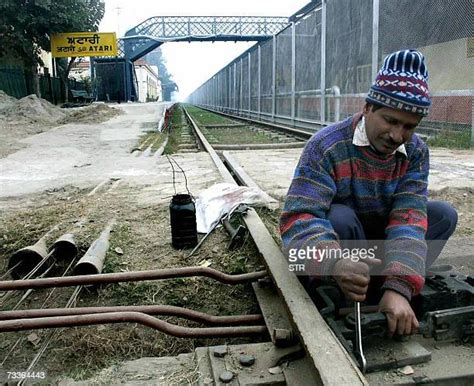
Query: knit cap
x,y
402,84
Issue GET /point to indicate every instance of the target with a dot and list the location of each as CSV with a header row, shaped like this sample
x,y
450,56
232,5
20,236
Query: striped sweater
x,y
393,187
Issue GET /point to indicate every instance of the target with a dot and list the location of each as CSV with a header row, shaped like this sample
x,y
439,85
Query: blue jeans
x,y
442,220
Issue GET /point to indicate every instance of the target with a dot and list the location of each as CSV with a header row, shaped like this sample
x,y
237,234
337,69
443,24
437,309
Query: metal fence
x,y
319,69
17,82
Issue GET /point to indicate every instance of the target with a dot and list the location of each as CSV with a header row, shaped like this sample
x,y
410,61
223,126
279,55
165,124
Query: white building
x,y
80,69
149,86
47,60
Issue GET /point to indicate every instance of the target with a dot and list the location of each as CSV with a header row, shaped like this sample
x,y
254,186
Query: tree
x,y
26,27
156,58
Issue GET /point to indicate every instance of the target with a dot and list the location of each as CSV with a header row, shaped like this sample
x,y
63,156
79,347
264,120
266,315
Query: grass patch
x,y
452,140
174,139
143,235
153,138
236,135
178,125
205,117
120,237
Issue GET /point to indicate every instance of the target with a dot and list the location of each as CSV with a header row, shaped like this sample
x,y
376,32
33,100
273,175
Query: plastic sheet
x,y
221,199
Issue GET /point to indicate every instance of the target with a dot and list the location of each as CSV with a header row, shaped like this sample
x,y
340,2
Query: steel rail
x,y
107,278
328,359
163,310
297,132
129,317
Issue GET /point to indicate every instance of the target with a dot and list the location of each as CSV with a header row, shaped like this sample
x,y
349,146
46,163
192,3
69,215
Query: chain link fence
x,y
319,69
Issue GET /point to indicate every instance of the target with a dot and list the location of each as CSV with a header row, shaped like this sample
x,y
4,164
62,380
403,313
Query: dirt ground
x,y
142,238
57,192
32,115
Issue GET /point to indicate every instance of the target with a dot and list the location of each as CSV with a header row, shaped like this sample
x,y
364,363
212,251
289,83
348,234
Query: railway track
x,y
303,349
285,329
290,315
234,134
325,360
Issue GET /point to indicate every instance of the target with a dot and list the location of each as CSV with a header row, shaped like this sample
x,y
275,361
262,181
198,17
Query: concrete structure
x,y
149,86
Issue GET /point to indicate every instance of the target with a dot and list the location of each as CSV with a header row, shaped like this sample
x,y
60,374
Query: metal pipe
x,y
107,278
237,235
93,260
149,310
65,247
31,257
129,317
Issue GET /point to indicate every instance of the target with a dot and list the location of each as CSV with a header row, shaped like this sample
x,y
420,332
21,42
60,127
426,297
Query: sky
x,y
191,64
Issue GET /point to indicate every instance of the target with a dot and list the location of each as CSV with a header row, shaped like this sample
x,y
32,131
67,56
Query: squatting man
x,y
366,178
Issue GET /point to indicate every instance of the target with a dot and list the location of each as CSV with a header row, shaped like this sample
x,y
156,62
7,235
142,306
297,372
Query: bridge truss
x,y
153,32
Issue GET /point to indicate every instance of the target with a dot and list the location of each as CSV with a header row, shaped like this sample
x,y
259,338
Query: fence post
x,y
241,107
235,86
375,37
259,92
323,61
274,77
250,85
293,71
472,120
214,93
229,88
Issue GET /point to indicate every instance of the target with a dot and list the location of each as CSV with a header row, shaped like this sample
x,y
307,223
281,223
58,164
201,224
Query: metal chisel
x,y
358,351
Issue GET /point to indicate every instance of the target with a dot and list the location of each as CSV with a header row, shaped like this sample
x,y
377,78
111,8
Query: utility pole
x,y
118,8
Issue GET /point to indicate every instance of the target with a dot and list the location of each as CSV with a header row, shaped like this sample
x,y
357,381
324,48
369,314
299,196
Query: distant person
x,y
366,178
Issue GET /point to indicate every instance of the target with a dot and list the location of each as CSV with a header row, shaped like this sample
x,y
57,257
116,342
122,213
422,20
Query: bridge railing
x,y
183,26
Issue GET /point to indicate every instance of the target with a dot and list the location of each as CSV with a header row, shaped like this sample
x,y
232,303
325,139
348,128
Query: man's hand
x,y
353,277
400,315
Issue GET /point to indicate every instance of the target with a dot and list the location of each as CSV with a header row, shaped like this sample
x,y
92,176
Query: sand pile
x,y
33,110
94,113
31,115
6,101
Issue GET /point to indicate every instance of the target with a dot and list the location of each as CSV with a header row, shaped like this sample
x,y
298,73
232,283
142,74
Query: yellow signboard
x,y
83,44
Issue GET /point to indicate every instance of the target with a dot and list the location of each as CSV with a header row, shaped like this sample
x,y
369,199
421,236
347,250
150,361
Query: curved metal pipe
x,y
106,278
129,317
149,310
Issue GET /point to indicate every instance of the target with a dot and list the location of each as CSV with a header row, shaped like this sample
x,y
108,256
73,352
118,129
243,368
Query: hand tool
x,y
358,351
